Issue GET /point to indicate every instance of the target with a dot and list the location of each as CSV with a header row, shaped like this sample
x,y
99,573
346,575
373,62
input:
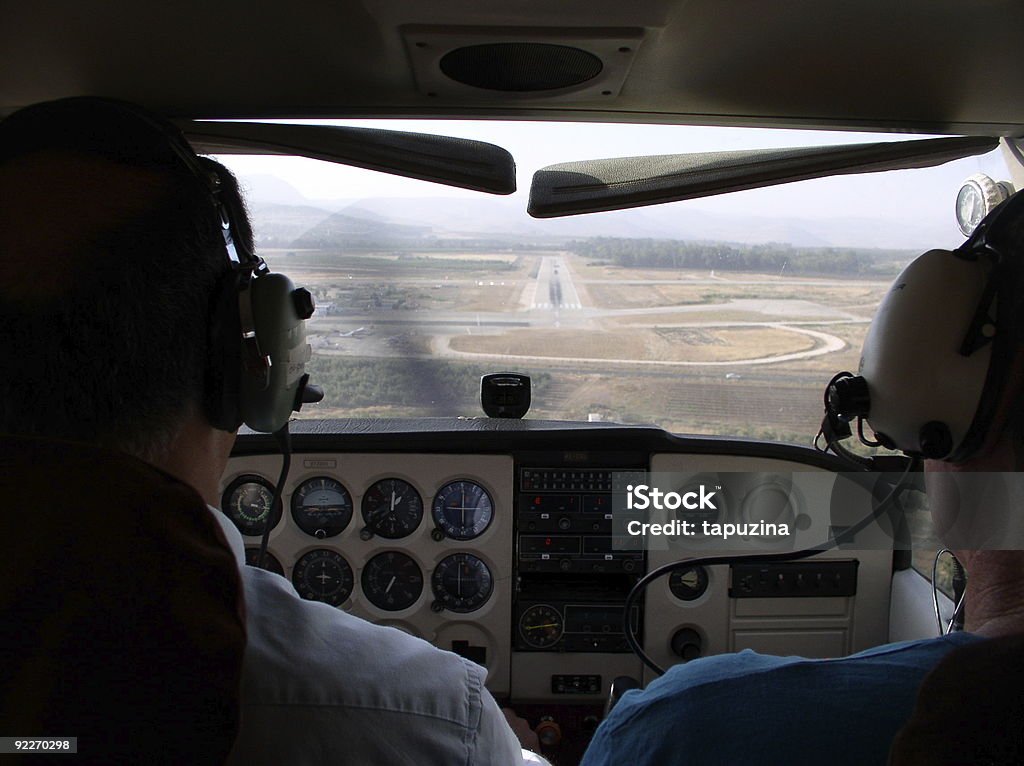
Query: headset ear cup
x,y
280,329
224,356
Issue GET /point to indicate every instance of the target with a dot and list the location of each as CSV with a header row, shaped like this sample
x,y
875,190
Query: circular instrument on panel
x,y
252,554
392,508
774,502
247,501
463,509
541,626
462,583
688,584
323,575
321,507
704,499
392,581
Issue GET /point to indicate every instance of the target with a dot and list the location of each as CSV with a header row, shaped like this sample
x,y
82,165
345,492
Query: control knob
x,y
686,643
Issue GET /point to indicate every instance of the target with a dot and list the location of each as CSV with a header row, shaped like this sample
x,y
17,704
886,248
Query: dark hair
x,y
121,357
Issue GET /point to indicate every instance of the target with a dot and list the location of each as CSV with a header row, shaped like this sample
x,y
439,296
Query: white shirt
x,y
320,686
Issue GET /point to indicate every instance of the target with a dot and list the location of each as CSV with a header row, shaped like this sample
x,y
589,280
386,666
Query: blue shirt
x,y
748,708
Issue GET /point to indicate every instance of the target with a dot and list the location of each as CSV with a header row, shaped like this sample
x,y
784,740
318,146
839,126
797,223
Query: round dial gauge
x,y
247,502
323,575
541,626
392,508
392,581
463,510
688,584
705,484
252,555
978,197
462,583
321,507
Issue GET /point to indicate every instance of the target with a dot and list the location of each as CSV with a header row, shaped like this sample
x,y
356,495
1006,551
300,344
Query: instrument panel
x,y
504,559
419,542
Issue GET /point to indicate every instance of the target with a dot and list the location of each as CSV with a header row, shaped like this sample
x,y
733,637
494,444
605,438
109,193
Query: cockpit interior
x,y
550,245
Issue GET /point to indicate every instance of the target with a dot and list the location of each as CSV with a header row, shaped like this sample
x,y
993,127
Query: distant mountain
x,y
280,225
344,230
266,189
284,214
672,221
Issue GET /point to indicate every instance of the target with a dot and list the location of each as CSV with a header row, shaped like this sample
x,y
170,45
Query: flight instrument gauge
x,y
252,556
704,485
247,501
688,584
978,197
462,583
462,510
392,508
392,581
541,626
321,507
323,575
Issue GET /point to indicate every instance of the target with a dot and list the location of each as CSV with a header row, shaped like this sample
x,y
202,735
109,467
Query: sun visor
x,y
593,186
457,162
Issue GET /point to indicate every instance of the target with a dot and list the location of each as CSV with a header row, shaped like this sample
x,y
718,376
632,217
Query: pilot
x,y
748,708
109,252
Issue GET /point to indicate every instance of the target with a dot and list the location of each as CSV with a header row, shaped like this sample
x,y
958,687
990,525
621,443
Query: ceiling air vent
x,y
520,66
481,63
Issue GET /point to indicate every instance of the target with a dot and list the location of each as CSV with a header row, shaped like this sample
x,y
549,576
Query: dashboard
x,y
492,539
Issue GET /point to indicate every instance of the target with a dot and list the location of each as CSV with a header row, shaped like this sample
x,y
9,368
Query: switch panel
x,y
795,579
576,684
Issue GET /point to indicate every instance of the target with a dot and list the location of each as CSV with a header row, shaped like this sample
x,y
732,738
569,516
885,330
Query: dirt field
x,y
716,314
661,344
832,295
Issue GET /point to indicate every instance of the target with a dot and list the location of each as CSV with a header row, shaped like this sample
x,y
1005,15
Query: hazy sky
x,y
894,196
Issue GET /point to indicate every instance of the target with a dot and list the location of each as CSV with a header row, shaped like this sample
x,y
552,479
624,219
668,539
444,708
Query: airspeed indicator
x,y
247,502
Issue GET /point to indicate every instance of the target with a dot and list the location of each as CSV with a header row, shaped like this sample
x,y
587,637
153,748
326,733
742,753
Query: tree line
x,y
772,258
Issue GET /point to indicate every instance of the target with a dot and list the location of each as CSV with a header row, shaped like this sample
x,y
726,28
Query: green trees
x,y
772,258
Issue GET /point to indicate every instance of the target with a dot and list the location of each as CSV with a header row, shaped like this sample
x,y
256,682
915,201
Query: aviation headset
x,y
938,355
257,350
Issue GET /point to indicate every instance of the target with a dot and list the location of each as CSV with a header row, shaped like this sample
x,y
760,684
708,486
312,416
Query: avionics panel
x,y
571,584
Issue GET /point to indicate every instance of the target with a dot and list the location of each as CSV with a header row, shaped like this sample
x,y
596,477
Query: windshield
x,y
724,316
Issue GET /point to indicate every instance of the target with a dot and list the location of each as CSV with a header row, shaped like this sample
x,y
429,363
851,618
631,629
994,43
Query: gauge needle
x,y
388,589
538,627
393,499
459,580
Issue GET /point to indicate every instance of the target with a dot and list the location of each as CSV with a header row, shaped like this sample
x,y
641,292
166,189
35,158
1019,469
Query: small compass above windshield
x,y
978,197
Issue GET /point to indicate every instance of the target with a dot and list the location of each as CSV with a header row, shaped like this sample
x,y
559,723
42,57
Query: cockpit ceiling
x,y
936,66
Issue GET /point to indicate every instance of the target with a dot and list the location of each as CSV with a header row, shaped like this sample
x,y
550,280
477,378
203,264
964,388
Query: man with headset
x,y
127,283
942,377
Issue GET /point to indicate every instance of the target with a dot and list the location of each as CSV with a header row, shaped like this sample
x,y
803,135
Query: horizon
x,y
916,205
